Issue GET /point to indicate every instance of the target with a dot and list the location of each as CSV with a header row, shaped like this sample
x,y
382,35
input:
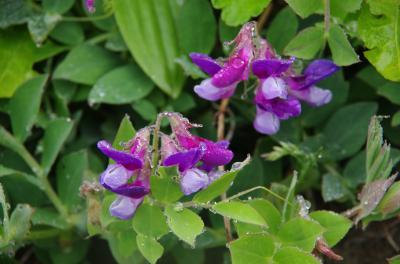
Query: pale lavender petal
x,y
274,87
269,67
115,176
205,63
266,122
231,73
185,159
126,159
124,207
314,96
208,91
193,180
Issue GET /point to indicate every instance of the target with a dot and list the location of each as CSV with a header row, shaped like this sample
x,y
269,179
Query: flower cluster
x,y
90,6
197,160
280,89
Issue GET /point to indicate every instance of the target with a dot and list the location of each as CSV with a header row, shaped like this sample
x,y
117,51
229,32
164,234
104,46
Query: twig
x,y
264,16
327,17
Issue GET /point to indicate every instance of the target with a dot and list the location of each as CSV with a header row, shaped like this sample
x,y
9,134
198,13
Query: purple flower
x,y
130,164
226,75
279,91
90,6
196,158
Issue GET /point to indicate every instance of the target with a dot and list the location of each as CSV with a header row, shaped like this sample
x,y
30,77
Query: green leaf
x,y
49,217
306,44
269,212
184,223
153,22
196,26
335,224
125,132
85,64
341,8
149,220
75,252
105,217
252,249
300,233
346,130
70,172
40,25
124,247
378,28
226,33
237,12
394,260
20,222
149,247
69,33
14,12
164,186
55,135
24,106
396,119
391,91
333,187
57,6
49,49
285,21
220,185
391,200
5,216
304,8
239,211
343,53
189,68
292,255
122,85
145,109
354,172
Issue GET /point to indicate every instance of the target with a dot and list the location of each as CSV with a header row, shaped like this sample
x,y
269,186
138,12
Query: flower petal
x,y
185,159
115,176
205,63
124,207
216,155
265,68
193,180
266,122
208,91
126,159
315,72
231,73
314,96
286,108
274,87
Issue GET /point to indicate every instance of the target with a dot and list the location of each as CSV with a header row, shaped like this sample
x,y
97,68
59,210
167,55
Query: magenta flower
x,y
196,157
90,6
227,74
129,176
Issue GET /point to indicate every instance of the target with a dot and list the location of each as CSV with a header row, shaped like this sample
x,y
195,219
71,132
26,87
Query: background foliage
x,y
68,78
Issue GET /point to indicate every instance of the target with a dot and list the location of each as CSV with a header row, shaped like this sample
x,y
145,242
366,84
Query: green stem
x,y
155,141
51,194
290,192
99,38
327,18
253,189
86,19
43,234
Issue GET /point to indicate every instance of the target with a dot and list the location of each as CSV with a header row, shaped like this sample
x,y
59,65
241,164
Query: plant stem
x,y
264,16
51,194
254,189
43,234
99,38
155,141
86,19
221,135
327,18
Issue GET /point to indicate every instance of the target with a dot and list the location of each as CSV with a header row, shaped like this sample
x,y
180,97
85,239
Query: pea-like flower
x,y
279,91
197,158
225,75
90,6
129,176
